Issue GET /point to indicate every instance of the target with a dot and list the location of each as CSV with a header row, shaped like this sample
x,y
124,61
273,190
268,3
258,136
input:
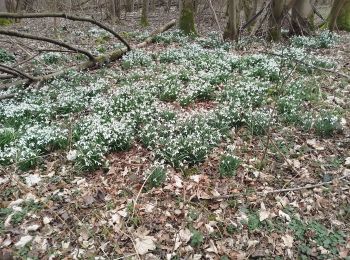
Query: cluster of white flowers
x,y
136,58
325,39
104,112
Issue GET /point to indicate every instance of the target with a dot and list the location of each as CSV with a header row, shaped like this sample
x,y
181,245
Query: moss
x,y
187,21
343,21
5,22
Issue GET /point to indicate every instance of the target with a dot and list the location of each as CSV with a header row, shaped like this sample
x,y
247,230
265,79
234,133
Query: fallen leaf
x,y
288,241
314,144
284,215
185,235
32,179
23,241
144,244
263,214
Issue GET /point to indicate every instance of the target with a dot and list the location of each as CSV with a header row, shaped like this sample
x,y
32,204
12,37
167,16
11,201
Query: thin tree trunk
x,y
187,14
144,15
302,17
250,7
339,16
275,22
232,28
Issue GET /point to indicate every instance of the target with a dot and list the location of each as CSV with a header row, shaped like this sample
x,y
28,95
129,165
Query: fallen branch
x,y
311,66
46,39
100,60
15,72
8,96
317,13
264,193
66,16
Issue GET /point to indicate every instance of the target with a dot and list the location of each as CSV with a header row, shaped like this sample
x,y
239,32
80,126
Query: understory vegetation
x,y
186,104
84,114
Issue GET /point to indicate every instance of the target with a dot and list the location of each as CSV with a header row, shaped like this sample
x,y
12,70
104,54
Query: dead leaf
x,y
284,215
185,235
263,214
143,244
288,241
23,241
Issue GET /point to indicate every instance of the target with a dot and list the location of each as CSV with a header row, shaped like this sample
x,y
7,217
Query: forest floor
x,y
190,148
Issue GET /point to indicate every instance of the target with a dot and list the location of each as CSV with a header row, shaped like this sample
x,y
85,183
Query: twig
x,y
310,65
308,186
15,72
69,17
215,16
46,39
138,195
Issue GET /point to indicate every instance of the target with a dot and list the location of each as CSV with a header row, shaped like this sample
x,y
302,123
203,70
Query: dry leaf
x,y
23,241
288,241
263,214
143,244
284,215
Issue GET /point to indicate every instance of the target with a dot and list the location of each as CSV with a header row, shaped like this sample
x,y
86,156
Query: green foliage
x,y
228,166
196,238
5,21
157,177
7,135
51,58
259,121
324,40
6,56
327,124
321,236
253,221
230,229
136,58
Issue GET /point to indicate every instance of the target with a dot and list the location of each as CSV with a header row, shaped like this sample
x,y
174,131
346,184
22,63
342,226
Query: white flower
x,y
72,155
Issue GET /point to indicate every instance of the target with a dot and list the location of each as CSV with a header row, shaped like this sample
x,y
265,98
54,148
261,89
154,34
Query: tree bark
x,y
275,22
339,17
302,17
250,7
232,28
187,14
144,15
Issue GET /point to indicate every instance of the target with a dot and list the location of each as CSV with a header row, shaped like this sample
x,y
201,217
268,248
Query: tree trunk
x,y
129,5
232,28
3,6
275,22
167,6
302,17
250,7
187,14
144,15
339,17
11,6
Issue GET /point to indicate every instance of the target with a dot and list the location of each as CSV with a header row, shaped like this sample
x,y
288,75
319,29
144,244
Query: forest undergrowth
x,y
181,150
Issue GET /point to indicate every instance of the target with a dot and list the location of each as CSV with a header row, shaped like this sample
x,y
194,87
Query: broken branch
x,y
69,17
46,39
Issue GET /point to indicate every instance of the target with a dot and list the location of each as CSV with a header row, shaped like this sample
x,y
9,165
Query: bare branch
x,y
15,72
69,17
45,39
